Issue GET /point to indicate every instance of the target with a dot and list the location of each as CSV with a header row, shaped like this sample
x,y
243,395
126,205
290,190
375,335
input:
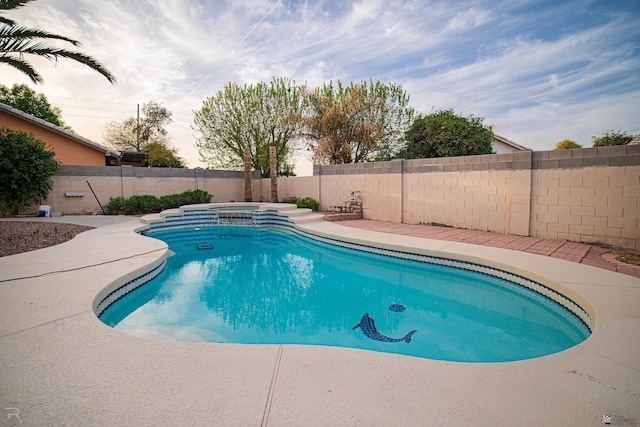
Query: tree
x,y
132,134
612,137
567,144
358,123
17,41
26,168
446,134
122,135
162,156
145,135
254,116
26,99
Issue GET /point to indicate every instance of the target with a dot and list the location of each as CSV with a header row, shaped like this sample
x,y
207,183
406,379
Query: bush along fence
x,y
305,202
71,194
145,204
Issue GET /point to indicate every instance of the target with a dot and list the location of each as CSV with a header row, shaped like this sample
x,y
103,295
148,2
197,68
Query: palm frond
x,y
23,66
12,4
16,41
12,45
20,41
52,54
78,57
19,32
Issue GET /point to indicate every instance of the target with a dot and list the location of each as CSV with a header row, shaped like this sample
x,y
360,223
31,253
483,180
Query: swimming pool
x,y
271,285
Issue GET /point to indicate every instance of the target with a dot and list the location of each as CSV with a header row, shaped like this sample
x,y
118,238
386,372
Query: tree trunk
x,y
273,166
248,197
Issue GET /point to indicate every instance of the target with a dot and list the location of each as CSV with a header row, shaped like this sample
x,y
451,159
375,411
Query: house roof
x,y
57,129
133,156
635,140
510,143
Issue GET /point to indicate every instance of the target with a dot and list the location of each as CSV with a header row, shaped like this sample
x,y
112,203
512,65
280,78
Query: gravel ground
x,y
24,236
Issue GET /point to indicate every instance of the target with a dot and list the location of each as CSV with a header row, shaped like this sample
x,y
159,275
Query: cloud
x,y
540,126
468,20
539,72
520,71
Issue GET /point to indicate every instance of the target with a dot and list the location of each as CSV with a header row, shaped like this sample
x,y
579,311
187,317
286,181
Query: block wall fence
x,y
72,195
589,195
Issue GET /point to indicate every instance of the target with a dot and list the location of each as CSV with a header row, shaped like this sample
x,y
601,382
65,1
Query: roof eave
x,y
56,129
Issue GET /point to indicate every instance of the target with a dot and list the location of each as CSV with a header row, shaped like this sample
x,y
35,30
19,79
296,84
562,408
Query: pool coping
x,y
61,365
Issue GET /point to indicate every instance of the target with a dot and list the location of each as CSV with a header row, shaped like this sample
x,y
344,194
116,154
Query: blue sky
x,y
540,71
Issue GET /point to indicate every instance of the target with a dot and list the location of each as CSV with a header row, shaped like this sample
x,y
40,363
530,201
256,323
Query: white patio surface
x,y
59,365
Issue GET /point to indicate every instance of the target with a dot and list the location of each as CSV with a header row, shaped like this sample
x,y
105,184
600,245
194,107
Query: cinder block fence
x,y
584,195
72,185
589,195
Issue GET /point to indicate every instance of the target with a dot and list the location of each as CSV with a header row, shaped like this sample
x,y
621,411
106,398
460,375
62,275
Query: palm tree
x,y
17,41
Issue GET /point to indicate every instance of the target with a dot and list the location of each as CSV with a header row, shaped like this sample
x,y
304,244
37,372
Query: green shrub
x,y
170,201
115,206
194,197
447,134
292,200
145,204
612,137
26,170
187,198
308,202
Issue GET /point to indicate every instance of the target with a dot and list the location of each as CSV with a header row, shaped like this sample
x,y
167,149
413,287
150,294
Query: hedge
x,y
145,204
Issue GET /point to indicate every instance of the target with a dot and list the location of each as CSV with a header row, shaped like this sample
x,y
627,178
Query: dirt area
x,y
628,257
23,236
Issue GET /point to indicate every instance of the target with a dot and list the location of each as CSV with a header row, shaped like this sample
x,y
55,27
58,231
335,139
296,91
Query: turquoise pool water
x,y
273,286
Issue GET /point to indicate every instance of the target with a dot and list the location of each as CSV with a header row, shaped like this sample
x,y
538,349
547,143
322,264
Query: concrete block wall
x,y
103,186
381,197
583,195
126,181
336,190
380,185
488,193
381,194
587,195
264,190
474,200
596,204
304,186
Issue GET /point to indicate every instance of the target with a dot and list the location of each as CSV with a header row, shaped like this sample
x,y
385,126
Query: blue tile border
x,y
130,286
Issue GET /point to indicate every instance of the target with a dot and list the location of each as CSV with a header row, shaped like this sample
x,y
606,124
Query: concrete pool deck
x,y
61,366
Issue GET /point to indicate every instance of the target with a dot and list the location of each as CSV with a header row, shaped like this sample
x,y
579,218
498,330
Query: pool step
x,y
302,215
305,219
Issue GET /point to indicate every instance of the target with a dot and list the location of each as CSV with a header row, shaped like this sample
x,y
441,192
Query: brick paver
x,y
570,251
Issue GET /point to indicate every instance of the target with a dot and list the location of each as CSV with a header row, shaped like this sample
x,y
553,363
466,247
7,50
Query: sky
x,y
540,71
